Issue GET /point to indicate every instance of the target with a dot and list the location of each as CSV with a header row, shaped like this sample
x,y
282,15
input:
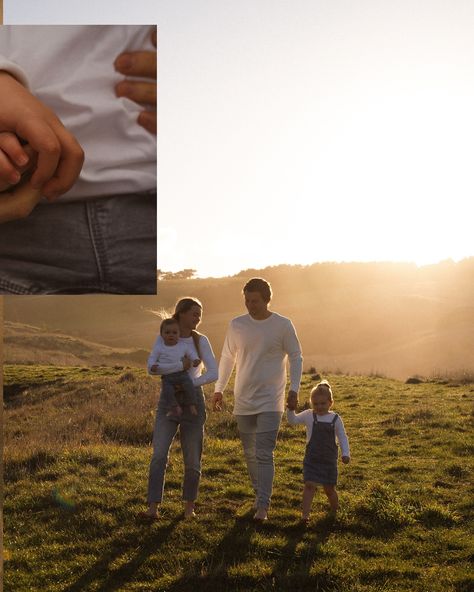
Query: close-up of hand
x,y
15,161
292,400
217,402
18,202
59,155
139,64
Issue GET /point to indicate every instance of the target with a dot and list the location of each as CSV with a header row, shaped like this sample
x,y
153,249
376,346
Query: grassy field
x,y
76,461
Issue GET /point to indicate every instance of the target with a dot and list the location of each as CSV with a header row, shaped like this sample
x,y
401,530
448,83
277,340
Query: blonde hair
x,y
324,388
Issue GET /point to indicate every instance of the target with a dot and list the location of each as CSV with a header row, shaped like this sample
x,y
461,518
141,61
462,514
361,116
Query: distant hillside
x,y
27,344
387,318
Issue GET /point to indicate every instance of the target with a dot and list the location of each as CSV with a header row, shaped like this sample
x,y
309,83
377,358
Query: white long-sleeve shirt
x,y
71,70
170,356
198,377
306,417
260,349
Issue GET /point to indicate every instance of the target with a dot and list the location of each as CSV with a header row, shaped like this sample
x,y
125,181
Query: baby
x,y
170,354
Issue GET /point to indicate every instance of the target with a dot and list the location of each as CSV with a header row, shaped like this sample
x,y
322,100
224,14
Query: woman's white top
x,y
198,377
71,70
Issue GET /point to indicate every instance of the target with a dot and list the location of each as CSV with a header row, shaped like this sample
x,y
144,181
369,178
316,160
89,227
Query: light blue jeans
x,y
191,430
98,245
258,434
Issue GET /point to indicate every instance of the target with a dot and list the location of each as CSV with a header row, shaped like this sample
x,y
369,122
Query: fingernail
x,y
123,63
14,178
22,160
123,89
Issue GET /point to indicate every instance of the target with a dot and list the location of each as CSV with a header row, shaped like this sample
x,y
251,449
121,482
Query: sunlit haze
x,y
314,131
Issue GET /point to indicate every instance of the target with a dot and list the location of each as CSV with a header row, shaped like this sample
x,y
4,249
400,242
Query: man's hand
x,y
139,64
292,400
346,460
60,157
18,203
217,402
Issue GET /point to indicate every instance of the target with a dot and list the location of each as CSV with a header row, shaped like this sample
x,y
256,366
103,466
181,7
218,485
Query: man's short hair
x,y
261,286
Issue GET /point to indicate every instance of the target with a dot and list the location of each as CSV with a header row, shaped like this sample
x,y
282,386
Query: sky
x,y
296,132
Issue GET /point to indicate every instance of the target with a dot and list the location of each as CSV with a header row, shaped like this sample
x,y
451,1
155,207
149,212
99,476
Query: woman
x,y
188,313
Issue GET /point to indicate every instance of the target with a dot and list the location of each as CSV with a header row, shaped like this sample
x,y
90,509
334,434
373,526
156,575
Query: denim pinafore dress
x,y
320,460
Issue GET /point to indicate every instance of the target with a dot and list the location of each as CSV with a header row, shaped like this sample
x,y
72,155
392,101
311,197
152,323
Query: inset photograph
x,y
78,159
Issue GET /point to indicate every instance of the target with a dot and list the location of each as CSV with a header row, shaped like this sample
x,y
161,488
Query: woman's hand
x,y
139,64
187,362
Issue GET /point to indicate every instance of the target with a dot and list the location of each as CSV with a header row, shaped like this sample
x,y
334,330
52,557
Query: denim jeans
x,y
169,397
105,245
191,429
258,434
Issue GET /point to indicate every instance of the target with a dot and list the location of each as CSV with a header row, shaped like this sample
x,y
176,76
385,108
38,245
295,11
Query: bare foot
x,y
189,510
261,514
175,412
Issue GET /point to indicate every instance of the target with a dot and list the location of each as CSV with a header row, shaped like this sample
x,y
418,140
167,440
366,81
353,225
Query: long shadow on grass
x,y
147,543
238,547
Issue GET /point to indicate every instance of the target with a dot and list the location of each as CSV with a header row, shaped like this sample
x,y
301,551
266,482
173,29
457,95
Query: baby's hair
x,y
324,388
167,322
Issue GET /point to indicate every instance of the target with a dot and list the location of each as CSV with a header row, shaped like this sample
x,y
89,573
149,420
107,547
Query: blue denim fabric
x,y
105,245
191,428
320,459
169,397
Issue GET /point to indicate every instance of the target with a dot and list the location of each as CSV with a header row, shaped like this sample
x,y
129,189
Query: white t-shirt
x,y
260,349
71,70
198,377
306,417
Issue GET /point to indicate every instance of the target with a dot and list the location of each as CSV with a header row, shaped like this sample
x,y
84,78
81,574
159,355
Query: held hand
x,y
60,157
292,400
15,160
139,64
217,402
18,202
346,460
196,362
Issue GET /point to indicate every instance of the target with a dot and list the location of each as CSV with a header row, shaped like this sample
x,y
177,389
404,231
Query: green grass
x,y
76,462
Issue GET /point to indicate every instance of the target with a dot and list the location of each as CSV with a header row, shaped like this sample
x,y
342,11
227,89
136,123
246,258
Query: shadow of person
x,y
137,545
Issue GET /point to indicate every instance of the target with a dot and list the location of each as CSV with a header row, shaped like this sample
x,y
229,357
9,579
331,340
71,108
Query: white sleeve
x,y
15,70
292,347
342,437
161,368
209,361
227,361
295,418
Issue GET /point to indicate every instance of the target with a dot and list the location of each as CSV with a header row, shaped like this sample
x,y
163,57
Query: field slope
x,y
76,461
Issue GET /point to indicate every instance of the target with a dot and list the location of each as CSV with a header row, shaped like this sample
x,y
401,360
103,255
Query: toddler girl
x,y
323,427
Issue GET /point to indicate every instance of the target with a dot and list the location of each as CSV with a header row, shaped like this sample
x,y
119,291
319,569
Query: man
x,y
259,343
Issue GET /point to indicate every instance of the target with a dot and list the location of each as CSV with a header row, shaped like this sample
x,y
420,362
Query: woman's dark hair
x,y
261,286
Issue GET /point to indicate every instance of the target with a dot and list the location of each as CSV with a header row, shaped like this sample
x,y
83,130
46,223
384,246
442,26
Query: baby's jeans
x,y
106,244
